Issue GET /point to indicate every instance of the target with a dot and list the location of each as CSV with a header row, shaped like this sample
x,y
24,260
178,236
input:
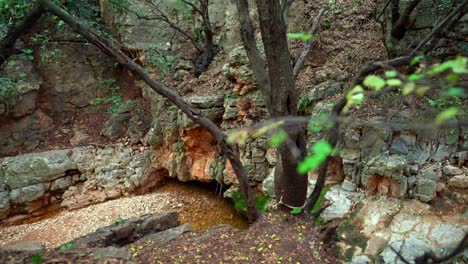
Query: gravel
x,y
68,225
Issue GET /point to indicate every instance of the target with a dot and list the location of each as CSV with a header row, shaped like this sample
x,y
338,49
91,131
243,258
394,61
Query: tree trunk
x,y
206,56
290,186
8,42
400,27
194,114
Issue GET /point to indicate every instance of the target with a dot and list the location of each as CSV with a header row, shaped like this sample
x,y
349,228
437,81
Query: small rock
x,y
361,260
348,186
450,170
440,187
112,252
32,247
459,181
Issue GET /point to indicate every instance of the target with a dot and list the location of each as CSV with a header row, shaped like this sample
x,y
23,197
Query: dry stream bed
x,y
197,205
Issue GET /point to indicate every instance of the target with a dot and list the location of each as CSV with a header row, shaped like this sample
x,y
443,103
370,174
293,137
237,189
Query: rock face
x,y
408,226
424,17
75,177
128,230
70,80
397,161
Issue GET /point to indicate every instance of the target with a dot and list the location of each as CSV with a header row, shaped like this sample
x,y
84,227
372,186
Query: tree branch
x,y
8,42
228,150
307,46
333,134
441,25
164,18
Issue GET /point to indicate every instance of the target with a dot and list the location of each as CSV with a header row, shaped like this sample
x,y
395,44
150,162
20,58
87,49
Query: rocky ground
x,y
275,238
193,202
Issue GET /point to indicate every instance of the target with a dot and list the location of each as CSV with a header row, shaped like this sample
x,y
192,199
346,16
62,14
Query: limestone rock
x,y
459,181
116,127
268,186
28,169
450,170
128,230
166,235
27,194
340,204
30,247
361,260
4,204
207,102
112,252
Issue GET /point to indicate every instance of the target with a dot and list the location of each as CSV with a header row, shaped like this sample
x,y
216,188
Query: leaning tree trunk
x,y
106,46
290,186
7,45
205,57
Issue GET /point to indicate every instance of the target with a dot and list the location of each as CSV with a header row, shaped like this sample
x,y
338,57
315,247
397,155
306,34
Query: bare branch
x,y
198,10
441,25
383,9
161,16
308,45
333,134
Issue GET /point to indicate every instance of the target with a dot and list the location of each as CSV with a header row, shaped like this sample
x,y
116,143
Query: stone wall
x,y
73,177
425,16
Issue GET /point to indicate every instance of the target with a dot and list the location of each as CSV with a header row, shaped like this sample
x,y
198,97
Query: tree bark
x,y
250,45
8,42
194,114
400,27
290,186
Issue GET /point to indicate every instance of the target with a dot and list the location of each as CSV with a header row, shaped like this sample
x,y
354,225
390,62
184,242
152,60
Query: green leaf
x,y
416,60
394,82
27,51
375,82
296,210
408,88
36,259
304,37
264,129
452,77
354,97
322,147
317,124
441,67
239,137
391,74
415,76
420,91
277,139
446,115
459,66
454,92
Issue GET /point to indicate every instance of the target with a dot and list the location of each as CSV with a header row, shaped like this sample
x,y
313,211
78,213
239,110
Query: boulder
x,y
116,126
459,181
111,252
27,194
28,169
450,170
128,231
28,247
